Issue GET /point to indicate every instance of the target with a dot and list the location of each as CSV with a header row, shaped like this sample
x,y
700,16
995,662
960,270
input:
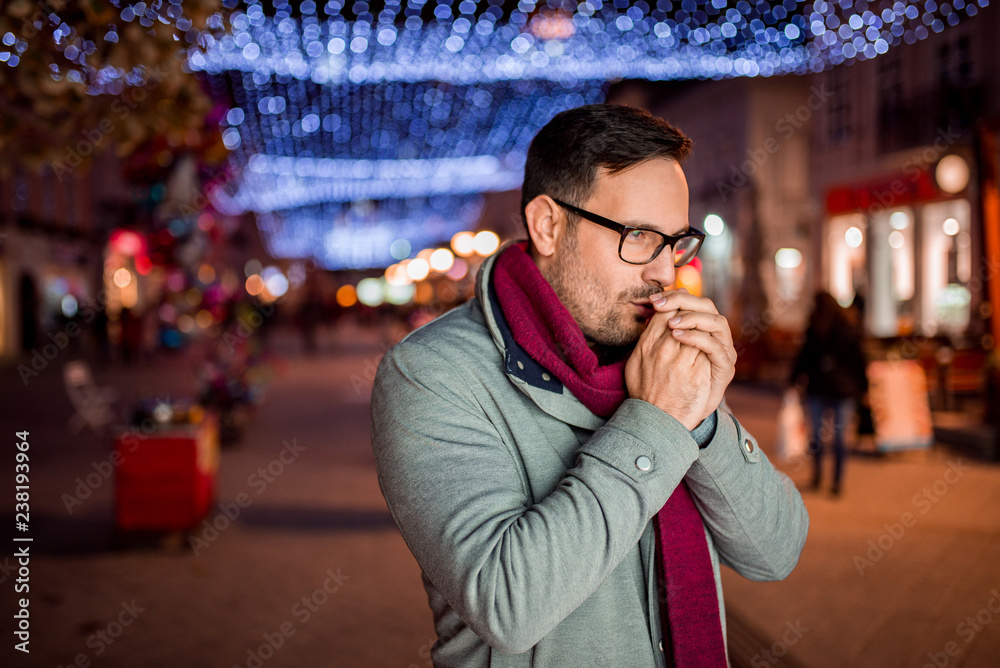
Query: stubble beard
x,y
603,322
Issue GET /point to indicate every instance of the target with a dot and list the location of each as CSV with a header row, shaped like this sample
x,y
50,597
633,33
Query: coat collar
x,y
529,376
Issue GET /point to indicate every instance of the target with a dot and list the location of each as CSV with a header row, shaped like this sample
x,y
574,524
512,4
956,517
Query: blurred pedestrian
x,y
866,423
830,372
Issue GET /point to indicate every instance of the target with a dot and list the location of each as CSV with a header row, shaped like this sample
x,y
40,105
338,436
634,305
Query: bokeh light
x,y
122,277
788,258
464,244
714,225
371,291
853,237
254,285
442,260
486,242
347,296
418,269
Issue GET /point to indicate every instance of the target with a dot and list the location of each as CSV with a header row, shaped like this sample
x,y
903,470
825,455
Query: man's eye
x,y
636,235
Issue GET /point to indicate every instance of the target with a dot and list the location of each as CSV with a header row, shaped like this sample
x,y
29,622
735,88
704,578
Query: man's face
x,y
607,297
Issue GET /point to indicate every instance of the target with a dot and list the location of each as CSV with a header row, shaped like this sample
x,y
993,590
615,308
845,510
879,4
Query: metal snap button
x,y
643,463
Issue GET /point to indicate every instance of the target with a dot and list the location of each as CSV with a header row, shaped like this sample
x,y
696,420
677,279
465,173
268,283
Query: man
x,y
556,451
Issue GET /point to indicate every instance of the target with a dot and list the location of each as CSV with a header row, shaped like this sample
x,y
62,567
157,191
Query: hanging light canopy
x,y
298,143
492,40
363,234
359,126
403,100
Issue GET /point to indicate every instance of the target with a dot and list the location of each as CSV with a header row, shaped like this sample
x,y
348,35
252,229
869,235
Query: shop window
x,y
891,247
947,267
845,272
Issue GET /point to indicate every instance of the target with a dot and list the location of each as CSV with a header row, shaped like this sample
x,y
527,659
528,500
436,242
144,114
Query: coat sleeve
x,y
754,513
512,569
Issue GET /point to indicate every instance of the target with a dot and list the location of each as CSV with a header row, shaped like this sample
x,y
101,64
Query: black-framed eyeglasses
x,y
640,245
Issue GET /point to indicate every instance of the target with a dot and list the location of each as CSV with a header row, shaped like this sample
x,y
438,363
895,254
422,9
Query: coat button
x,y
546,377
748,444
520,365
643,463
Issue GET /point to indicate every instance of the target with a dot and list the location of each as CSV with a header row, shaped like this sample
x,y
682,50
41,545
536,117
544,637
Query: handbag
x,y
793,436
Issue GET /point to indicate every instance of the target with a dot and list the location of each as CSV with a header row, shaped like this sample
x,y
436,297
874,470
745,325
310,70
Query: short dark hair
x,y
565,155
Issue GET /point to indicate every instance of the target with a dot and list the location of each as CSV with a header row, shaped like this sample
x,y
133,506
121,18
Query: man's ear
x,y
546,224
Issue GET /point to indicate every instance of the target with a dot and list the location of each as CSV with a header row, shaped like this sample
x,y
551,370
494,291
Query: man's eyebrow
x,y
647,226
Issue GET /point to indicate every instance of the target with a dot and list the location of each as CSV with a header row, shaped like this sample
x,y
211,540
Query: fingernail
x,y
678,332
674,321
657,298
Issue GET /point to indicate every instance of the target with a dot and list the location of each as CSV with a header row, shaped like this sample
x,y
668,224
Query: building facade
x,y
900,161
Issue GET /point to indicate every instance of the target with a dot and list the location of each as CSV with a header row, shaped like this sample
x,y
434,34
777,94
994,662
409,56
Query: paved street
x,y
313,573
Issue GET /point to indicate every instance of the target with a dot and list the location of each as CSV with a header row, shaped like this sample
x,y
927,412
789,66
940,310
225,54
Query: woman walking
x,y
830,372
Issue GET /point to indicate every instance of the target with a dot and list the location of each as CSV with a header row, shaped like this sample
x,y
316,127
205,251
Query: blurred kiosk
x,y
166,479
897,391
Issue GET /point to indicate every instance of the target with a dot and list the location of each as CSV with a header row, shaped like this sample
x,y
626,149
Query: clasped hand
x,y
684,360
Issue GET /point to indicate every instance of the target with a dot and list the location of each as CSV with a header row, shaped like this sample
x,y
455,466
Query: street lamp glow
x,y
123,277
254,285
418,269
714,225
951,227
399,249
896,239
68,305
788,258
346,296
899,220
464,244
399,294
396,275
441,260
486,242
274,281
853,237
370,291
952,174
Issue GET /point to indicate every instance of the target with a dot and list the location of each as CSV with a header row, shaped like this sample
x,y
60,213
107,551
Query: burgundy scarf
x,y
542,326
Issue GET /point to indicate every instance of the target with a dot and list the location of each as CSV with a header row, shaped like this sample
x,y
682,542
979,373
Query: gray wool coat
x,y
531,517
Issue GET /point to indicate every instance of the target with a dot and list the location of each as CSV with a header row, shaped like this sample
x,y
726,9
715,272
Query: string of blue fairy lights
x,y
469,41
411,153
364,233
360,124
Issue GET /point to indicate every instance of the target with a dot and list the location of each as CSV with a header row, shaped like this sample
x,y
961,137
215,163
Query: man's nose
x,y
661,271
